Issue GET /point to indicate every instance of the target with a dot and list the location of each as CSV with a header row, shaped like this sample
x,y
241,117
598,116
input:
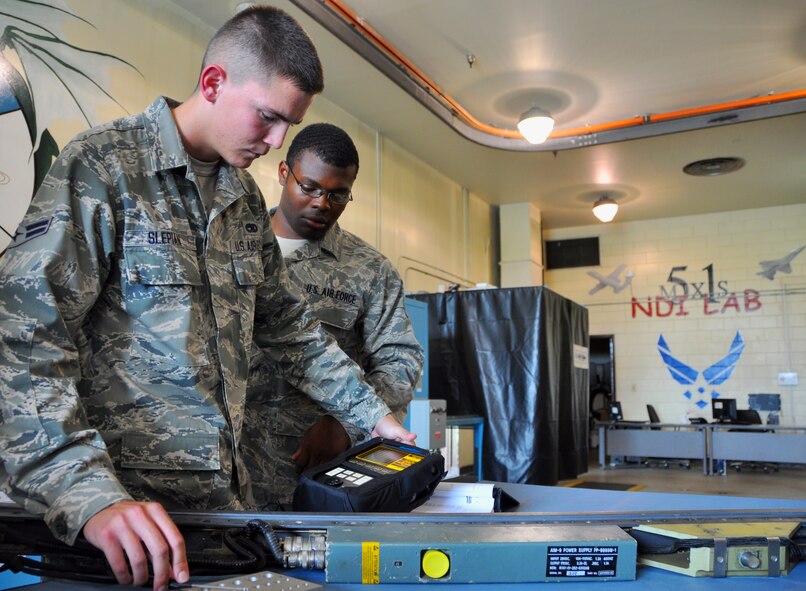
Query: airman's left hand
x,y
389,428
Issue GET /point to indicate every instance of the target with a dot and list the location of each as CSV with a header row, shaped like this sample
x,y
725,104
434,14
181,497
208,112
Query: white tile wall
x,y
734,243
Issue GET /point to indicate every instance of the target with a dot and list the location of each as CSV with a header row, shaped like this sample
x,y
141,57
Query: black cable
x,y
43,544
269,536
100,573
652,543
798,541
253,548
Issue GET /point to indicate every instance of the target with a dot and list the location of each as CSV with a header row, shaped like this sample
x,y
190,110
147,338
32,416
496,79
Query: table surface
x,y
562,500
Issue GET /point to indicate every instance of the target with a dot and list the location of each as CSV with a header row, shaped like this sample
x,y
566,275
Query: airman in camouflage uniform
x,y
129,300
352,289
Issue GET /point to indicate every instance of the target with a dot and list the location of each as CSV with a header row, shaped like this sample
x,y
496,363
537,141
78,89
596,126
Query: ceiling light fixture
x,y
535,125
605,209
714,166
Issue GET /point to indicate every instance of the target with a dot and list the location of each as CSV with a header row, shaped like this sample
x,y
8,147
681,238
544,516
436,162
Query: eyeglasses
x,y
335,197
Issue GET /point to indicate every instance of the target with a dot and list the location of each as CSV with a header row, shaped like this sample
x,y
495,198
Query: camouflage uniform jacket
x,y
126,326
358,296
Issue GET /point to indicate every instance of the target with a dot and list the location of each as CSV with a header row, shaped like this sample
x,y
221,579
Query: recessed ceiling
x,y
714,166
587,62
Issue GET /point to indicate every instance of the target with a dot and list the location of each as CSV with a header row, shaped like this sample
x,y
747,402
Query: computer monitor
x,y
614,410
723,409
770,402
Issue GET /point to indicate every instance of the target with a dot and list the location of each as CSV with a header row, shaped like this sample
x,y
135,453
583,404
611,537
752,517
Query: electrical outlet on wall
x,y
787,378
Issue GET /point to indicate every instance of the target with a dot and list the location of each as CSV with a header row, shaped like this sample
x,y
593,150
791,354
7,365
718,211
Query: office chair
x,y
665,462
751,417
653,415
748,417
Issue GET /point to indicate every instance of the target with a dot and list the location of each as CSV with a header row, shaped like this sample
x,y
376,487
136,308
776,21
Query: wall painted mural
x,y
782,265
73,57
699,308
43,79
702,391
612,280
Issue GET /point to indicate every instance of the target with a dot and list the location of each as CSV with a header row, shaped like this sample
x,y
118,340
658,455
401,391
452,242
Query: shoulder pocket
x,y
340,324
336,319
248,268
164,265
163,294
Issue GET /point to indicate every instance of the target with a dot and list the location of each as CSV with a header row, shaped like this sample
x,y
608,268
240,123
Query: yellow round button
x,y
436,564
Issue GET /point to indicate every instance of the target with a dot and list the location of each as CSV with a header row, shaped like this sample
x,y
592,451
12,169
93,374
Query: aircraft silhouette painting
x,y
782,265
613,280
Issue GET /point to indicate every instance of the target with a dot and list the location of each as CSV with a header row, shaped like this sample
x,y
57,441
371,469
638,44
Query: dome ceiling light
x,y
535,125
605,209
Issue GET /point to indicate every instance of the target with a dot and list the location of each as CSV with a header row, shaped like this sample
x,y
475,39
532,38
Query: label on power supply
x,y
370,563
581,561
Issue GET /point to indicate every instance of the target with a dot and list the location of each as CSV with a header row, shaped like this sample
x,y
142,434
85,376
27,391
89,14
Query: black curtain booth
x,y
508,356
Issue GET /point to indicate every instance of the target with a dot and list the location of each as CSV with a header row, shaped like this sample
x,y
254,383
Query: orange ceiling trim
x,y
433,88
395,55
730,105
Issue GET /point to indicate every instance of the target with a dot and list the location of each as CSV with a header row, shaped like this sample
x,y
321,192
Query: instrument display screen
x,y
389,457
379,475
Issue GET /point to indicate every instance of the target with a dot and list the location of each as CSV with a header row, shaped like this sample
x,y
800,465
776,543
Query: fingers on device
x,y
377,476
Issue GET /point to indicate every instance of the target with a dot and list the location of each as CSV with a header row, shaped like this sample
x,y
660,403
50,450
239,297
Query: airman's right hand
x,y
139,532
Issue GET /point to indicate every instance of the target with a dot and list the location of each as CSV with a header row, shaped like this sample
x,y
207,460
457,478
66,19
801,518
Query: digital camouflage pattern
x,y
126,327
358,296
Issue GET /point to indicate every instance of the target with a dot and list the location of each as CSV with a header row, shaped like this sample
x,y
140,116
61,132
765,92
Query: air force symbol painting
x,y
714,375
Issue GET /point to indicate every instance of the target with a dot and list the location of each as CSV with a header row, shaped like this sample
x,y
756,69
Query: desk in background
x,y
756,443
661,440
712,442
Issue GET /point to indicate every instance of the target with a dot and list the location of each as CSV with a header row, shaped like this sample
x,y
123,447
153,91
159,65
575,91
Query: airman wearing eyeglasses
x,y
358,297
142,277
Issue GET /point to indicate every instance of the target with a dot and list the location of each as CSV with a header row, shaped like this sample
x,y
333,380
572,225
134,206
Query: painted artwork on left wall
x,y
43,79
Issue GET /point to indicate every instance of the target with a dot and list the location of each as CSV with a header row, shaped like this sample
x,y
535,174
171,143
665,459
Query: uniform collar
x,y
330,243
164,142
168,151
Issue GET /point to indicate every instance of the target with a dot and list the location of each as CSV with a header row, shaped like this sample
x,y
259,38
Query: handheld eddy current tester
x,y
380,475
